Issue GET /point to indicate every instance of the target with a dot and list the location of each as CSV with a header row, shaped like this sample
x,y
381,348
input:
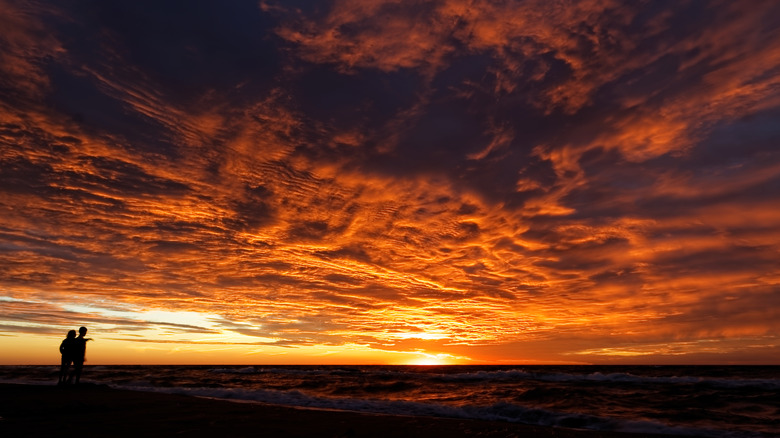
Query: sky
x,y
391,182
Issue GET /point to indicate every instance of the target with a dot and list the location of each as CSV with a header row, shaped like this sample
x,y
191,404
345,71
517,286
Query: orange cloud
x,y
574,209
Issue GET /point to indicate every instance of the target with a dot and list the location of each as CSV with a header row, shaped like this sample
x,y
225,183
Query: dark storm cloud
x,y
183,46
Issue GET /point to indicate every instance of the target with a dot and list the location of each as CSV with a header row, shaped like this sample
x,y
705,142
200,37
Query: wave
x,y
26,382
283,371
514,375
609,398
245,370
501,411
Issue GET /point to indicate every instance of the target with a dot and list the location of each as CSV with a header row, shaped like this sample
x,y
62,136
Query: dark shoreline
x,y
99,411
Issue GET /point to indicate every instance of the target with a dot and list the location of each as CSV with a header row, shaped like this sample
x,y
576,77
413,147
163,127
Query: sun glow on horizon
x,y
428,359
428,362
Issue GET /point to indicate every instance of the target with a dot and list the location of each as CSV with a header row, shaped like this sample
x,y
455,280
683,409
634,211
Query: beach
x,y
99,411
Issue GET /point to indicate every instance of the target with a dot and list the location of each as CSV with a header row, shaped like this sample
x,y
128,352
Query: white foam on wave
x,y
26,382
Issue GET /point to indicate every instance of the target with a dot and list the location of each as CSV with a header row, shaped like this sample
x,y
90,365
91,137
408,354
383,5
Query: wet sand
x,y
99,411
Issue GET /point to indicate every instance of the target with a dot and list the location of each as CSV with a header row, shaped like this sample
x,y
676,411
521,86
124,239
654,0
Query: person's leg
x,y
77,366
64,365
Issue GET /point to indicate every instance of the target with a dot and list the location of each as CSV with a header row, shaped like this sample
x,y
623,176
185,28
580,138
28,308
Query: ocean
x,y
709,401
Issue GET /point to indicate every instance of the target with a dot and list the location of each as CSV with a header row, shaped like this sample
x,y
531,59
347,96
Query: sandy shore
x,y
99,411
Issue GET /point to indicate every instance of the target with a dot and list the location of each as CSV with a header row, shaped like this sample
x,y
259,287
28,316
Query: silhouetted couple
x,y
73,350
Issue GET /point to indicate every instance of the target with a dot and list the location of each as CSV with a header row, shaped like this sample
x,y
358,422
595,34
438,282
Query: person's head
x,y
71,333
82,331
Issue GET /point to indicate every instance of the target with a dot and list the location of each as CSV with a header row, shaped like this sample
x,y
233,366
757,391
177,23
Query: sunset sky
x,y
394,182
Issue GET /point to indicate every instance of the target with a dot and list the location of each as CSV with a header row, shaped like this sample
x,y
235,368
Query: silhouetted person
x,y
79,353
68,351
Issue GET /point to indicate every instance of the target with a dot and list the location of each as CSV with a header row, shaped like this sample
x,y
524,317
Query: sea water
x,y
714,401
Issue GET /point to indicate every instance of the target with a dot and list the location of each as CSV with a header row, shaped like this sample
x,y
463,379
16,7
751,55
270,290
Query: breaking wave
x,y
497,412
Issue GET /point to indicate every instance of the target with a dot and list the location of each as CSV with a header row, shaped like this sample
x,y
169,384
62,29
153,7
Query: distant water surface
x,y
714,401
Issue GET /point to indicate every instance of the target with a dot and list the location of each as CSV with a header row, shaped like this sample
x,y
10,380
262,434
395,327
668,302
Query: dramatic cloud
x,y
366,181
